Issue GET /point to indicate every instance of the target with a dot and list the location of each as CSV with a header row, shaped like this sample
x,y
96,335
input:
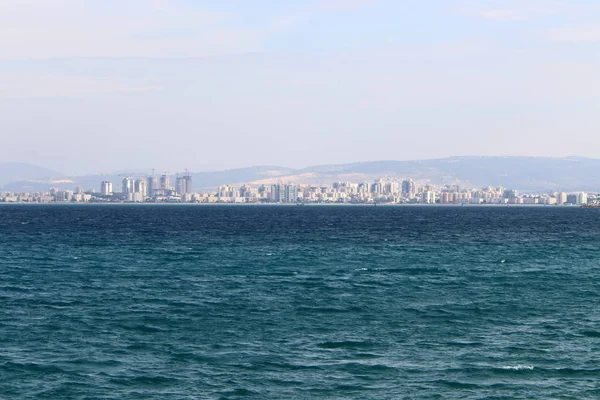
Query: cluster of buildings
x,y
142,189
381,191
53,195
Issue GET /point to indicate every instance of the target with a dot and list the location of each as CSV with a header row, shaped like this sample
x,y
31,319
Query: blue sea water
x,y
276,302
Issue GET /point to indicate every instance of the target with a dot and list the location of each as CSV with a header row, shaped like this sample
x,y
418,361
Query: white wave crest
x,y
518,367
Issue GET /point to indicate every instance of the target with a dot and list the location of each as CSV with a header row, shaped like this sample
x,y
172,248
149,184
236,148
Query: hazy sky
x,y
97,86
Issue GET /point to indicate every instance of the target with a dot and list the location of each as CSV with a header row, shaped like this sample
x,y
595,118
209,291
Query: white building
x,y
582,198
561,198
140,187
429,197
284,193
106,188
135,197
128,185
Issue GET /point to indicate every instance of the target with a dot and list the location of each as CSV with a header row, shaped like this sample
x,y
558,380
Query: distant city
x,y
164,189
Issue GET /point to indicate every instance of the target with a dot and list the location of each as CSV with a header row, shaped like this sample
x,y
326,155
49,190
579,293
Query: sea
x,y
299,302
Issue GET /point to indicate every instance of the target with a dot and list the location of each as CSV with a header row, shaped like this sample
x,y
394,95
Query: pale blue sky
x,y
96,86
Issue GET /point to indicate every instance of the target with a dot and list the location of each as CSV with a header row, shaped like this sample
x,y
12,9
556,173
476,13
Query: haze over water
x,y
273,302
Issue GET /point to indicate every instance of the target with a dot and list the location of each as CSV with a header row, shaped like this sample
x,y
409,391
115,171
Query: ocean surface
x,y
299,302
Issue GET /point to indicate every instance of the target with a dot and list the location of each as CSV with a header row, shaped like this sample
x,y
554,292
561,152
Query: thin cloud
x,y
25,85
575,34
510,10
70,28
345,5
288,21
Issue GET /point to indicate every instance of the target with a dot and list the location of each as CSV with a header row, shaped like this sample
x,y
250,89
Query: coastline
x,y
111,204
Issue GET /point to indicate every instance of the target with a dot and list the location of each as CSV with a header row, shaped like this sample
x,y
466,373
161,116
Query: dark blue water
x,y
267,302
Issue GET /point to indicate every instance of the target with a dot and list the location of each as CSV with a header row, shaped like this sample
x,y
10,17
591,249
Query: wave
x,y
518,367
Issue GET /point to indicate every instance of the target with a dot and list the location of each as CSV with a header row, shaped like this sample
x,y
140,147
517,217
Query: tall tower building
x,y
152,186
428,197
364,187
291,193
276,192
409,188
140,187
284,193
106,188
128,185
562,198
179,184
378,186
186,183
165,183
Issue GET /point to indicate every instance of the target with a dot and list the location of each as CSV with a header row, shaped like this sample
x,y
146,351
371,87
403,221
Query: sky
x,y
92,86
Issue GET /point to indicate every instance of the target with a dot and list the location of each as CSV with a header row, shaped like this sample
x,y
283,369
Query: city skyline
x,y
521,173
159,189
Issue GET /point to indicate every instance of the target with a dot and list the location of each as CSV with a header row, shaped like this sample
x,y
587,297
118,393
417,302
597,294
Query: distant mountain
x,y
521,173
237,176
12,172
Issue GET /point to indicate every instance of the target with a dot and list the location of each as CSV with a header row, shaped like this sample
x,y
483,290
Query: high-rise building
x,y
186,188
276,193
227,192
128,185
262,191
152,186
391,188
184,184
582,198
291,193
178,184
284,193
140,187
447,197
409,188
165,183
428,197
364,188
561,198
64,195
377,187
106,188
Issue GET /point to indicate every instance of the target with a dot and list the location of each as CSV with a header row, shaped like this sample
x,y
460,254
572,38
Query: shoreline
x,y
294,204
